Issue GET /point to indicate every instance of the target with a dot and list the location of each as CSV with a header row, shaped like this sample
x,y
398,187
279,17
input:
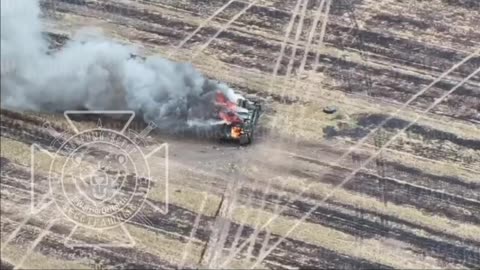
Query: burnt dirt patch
x,y
303,256
342,7
409,52
401,20
179,221
52,246
401,193
297,254
6,265
18,132
252,51
470,4
371,120
420,22
13,171
367,122
365,228
367,224
26,118
374,61
386,187
452,184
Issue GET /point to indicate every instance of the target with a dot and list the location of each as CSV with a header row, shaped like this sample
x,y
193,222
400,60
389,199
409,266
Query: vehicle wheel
x,y
245,139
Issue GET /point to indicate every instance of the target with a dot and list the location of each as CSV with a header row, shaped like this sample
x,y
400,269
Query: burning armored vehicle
x,y
231,114
240,117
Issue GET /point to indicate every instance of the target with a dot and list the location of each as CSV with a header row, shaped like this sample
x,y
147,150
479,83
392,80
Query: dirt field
x,y
391,180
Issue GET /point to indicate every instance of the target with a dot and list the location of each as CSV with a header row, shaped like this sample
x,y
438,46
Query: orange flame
x,y
236,132
228,109
223,101
230,117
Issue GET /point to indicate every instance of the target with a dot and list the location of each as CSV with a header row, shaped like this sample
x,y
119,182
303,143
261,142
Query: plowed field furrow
x,y
415,205
428,133
349,75
6,265
432,201
431,197
453,184
419,140
178,221
25,136
297,254
118,257
178,224
388,220
410,53
422,53
367,37
454,187
361,224
322,258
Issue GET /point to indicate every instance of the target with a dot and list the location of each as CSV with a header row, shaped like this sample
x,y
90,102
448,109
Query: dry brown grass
x,y
308,124
179,195
36,260
21,153
315,88
168,246
295,185
338,241
433,167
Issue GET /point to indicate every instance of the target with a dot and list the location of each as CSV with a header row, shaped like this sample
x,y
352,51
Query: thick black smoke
x,y
91,72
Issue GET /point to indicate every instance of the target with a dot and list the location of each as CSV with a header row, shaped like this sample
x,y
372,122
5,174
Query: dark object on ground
x,y
330,109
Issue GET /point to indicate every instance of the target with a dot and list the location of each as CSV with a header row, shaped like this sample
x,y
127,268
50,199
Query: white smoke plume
x,y
89,72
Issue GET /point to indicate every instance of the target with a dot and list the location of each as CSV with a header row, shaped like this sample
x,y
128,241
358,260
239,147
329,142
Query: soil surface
x,y
382,183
